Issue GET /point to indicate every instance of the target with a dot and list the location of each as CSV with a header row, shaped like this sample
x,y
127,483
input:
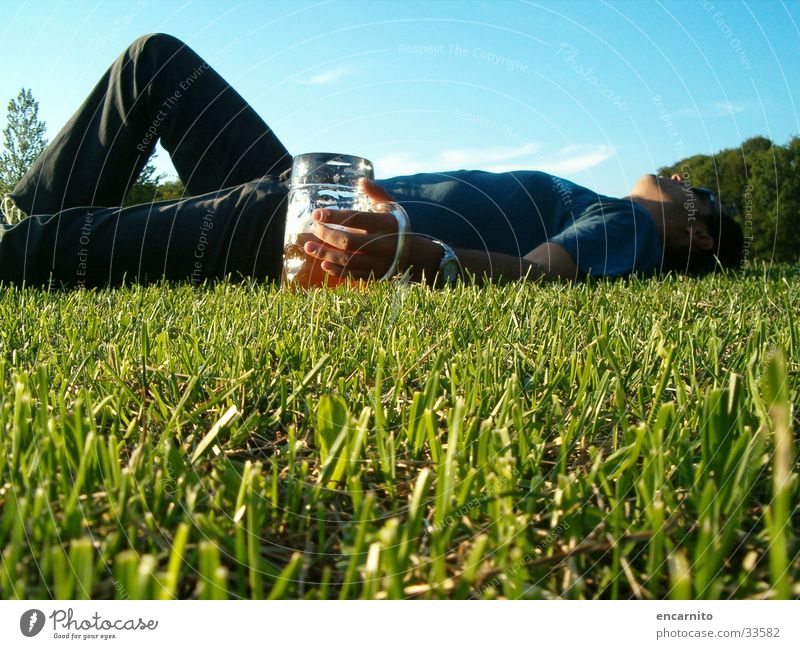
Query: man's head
x,y
698,235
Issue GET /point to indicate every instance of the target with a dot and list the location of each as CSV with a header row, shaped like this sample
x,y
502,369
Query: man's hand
x,y
364,247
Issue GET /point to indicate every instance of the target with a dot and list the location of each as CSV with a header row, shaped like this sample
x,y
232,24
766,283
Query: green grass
x,y
612,440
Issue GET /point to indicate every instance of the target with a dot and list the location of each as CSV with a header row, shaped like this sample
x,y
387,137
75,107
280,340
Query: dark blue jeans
x,y
229,224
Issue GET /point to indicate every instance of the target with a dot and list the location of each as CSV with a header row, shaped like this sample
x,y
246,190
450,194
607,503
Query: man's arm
x,y
547,262
367,244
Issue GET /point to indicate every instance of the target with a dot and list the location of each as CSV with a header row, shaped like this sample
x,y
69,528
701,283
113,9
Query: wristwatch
x,y
449,266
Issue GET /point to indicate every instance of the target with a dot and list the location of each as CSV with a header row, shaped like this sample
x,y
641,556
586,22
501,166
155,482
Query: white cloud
x,y
725,108
325,77
715,109
400,164
462,157
577,157
570,159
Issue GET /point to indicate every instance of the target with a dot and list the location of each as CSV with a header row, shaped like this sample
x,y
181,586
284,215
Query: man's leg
x,y
158,87
235,231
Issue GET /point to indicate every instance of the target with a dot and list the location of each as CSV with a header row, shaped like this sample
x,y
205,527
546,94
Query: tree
x,y
150,186
23,139
145,189
171,189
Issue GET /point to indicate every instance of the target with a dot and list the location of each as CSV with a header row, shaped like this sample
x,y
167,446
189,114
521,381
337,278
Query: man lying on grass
x,y
523,224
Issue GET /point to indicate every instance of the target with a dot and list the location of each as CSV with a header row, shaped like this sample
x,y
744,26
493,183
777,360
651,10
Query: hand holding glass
x,y
330,181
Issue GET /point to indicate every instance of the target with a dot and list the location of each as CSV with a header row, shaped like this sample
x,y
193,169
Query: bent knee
x,y
158,41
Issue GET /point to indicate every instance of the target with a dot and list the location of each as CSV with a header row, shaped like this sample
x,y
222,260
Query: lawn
x,y
610,440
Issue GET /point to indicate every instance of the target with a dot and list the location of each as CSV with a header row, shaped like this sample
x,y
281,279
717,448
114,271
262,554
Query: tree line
x,y
758,182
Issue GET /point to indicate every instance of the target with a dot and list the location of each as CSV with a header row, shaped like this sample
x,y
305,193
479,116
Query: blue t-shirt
x,y
515,212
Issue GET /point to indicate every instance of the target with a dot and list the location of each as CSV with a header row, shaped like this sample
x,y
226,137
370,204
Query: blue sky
x,y
598,92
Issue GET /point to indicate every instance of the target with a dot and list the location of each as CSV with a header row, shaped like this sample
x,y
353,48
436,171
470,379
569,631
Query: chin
x,y
646,182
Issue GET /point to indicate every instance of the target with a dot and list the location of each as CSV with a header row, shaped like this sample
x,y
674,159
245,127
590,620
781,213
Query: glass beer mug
x,y
326,180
